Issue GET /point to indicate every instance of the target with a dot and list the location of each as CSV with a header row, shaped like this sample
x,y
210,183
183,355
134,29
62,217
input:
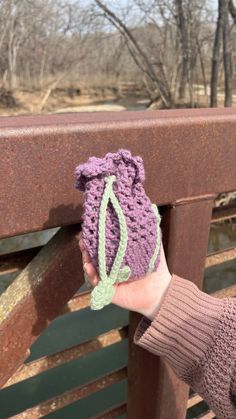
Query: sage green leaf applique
x,y
124,274
102,294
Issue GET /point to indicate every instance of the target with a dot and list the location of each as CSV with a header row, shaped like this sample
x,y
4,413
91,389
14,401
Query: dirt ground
x,y
30,102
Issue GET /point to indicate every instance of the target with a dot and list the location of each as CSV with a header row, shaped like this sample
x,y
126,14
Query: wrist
x,y
159,291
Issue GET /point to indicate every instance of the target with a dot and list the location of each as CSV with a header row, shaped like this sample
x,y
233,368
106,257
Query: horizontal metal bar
x,y
220,257
223,213
72,396
45,363
13,262
194,400
185,153
77,303
207,415
16,261
112,413
192,199
225,292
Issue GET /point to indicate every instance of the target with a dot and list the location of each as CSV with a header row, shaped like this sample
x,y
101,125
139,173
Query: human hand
x,y
144,295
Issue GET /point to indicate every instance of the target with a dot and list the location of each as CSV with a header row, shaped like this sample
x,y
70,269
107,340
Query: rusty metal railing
x,y
189,157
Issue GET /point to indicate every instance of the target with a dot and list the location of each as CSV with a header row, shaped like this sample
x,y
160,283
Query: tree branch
x,y
232,10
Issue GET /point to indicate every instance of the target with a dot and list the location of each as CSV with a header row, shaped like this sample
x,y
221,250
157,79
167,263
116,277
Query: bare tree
x,y
158,78
183,30
216,55
232,10
222,34
165,45
168,57
227,52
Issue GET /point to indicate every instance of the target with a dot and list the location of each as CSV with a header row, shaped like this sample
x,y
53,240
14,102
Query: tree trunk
x,y
140,57
227,53
232,10
216,55
202,66
182,25
12,57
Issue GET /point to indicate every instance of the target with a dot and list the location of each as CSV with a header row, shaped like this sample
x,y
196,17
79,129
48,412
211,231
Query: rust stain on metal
x,y
37,296
188,153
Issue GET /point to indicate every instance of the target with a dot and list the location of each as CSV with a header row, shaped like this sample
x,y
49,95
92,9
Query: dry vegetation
x,y
60,54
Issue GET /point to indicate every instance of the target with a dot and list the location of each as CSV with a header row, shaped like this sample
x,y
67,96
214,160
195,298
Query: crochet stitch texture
x,y
120,225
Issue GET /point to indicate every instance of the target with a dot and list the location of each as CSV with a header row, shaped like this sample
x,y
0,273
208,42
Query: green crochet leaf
x,y
103,292
124,274
102,295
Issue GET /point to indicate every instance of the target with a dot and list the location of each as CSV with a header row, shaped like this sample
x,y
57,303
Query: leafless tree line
x,y
226,8
169,45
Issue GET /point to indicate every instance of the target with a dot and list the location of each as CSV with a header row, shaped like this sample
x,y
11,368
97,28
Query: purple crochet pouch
x,y
133,216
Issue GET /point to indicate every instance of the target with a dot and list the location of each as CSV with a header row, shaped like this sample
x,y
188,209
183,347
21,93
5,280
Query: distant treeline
x,y
169,46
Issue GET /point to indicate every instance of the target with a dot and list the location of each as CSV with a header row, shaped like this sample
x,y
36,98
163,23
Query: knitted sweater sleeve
x,y
196,334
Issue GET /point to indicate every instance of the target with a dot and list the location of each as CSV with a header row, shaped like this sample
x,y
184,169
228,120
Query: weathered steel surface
x,y
186,153
189,157
153,391
186,230
37,296
187,227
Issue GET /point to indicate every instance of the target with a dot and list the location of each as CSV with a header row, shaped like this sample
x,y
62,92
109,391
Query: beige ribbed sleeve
x,y
196,334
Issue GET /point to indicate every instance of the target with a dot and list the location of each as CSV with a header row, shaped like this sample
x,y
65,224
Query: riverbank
x,y
62,100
